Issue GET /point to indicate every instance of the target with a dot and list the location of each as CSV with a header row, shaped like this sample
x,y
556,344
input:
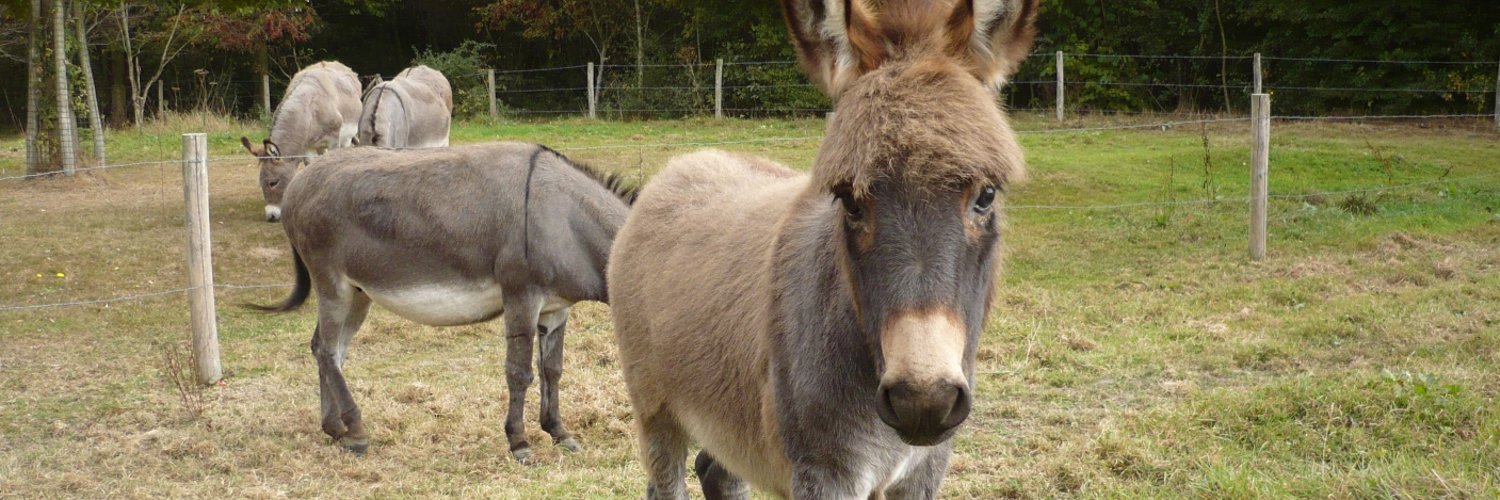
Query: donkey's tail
x,y
299,292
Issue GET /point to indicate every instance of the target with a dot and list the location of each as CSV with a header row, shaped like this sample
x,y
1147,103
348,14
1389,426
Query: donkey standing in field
x,y
320,111
447,237
414,110
816,334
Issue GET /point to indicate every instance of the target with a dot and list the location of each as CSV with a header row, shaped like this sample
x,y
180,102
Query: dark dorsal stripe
x,y
613,181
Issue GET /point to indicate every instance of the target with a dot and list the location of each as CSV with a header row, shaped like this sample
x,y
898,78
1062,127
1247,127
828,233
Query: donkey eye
x,y
851,208
845,194
985,200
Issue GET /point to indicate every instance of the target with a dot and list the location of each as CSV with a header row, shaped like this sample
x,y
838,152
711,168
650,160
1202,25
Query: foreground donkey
x,y
413,110
451,237
816,334
320,111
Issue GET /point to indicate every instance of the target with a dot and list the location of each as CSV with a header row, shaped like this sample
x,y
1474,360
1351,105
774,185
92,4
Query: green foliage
x,y
464,67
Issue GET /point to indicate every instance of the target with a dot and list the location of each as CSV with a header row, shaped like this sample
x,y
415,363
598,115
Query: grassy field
x,y
1134,350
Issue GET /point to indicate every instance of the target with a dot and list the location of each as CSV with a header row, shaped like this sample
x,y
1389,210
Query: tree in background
x,y
66,126
563,21
91,91
267,31
152,30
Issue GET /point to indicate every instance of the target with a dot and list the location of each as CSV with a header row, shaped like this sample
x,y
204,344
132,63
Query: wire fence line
x,y
126,298
759,88
1246,199
1163,125
1018,207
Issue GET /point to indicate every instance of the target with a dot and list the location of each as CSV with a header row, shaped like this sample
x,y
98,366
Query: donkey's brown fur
x,y
816,334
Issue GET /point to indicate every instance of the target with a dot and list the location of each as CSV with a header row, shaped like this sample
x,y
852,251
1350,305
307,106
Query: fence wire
x,y
514,80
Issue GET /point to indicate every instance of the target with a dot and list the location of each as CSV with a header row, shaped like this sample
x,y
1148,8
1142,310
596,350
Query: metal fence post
x,y
265,93
591,90
1257,74
718,88
1260,157
1497,96
200,258
1061,93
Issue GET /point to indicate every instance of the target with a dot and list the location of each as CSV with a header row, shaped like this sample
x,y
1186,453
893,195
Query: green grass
x,y
1133,351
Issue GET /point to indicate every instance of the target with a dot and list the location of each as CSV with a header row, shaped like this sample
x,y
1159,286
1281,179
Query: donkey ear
x,y
272,149
993,37
836,40
250,147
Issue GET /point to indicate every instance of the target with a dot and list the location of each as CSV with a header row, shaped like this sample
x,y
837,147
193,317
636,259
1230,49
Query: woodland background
x,y
659,55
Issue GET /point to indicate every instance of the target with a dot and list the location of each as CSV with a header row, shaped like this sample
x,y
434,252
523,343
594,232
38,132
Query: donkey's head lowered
x,y
275,173
916,158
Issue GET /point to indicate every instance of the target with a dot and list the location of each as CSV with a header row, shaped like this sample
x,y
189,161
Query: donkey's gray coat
x,y
320,111
451,236
414,110
816,334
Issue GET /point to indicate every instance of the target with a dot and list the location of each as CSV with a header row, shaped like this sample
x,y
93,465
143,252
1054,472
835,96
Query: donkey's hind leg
x,y
338,319
551,326
521,311
664,447
717,482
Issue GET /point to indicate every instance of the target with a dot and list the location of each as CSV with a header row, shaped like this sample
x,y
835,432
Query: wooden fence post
x,y
719,88
1061,92
200,258
1497,97
591,92
1257,74
489,84
265,93
161,100
1260,157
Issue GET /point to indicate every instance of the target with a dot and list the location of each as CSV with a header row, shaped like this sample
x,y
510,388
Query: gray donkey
x,y
816,334
319,112
415,110
447,237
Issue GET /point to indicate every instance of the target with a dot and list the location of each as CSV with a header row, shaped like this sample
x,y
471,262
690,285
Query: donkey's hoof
x,y
357,446
570,445
522,454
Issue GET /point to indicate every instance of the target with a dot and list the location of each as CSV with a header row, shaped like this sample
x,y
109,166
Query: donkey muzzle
x,y
924,416
924,395
273,213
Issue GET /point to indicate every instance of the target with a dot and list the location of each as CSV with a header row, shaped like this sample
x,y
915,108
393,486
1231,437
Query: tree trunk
x,y
33,90
118,109
640,51
132,68
96,123
67,136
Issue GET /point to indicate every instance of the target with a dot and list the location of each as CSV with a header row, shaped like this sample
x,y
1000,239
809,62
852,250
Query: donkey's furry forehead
x,y
928,124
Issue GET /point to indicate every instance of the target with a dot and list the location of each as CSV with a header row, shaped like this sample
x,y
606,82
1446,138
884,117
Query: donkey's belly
x,y
442,304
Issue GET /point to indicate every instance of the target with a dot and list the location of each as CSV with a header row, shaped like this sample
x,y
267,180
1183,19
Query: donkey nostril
x,y
885,408
962,403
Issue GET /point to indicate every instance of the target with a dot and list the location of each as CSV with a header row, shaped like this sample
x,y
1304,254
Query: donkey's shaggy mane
x,y
613,181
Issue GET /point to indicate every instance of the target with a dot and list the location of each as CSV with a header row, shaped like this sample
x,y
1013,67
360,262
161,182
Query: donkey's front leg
x,y
552,326
521,310
822,481
924,479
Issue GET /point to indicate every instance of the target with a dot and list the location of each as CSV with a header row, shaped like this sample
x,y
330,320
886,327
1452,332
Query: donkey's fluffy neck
x,y
285,133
